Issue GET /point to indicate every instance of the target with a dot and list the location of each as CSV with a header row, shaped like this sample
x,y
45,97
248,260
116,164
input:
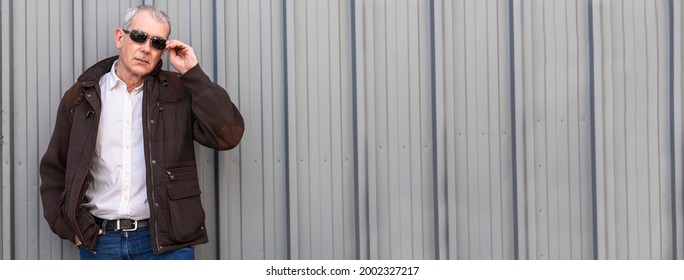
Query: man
x,y
119,177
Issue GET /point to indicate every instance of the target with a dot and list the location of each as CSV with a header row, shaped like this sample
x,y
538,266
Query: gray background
x,y
380,129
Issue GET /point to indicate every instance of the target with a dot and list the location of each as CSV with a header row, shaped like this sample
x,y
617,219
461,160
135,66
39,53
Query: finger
x,y
175,44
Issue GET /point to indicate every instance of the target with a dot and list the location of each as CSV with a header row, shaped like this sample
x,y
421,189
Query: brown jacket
x,y
176,110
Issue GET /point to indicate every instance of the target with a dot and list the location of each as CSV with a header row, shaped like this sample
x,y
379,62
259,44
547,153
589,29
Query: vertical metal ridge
x,y
6,195
2,155
77,51
239,85
286,86
433,94
355,130
673,169
217,187
514,152
263,144
623,59
2,126
592,125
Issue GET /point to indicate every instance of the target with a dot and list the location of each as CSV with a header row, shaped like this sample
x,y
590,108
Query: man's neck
x,y
132,81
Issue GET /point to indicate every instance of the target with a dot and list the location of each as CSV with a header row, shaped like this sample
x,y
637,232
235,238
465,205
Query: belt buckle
x,y
135,226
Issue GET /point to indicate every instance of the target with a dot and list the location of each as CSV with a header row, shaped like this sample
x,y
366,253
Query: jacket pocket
x,y
186,215
175,116
89,229
63,201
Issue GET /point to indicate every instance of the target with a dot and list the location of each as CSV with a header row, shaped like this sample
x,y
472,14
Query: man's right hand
x,y
78,242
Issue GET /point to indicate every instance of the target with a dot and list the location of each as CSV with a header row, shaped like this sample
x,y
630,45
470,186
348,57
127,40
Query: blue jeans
x,y
131,245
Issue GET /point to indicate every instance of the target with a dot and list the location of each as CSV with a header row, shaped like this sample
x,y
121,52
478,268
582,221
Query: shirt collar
x,y
113,80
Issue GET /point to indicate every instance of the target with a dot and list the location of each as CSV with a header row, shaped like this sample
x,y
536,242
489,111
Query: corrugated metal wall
x,y
635,107
380,129
553,114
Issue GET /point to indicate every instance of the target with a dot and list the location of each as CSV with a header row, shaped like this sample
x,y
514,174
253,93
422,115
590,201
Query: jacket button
x,y
152,121
89,95
154,162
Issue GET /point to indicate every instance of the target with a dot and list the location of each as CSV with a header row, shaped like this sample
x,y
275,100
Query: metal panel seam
x,y
355,132
514,156
592,124
433,86
7,84
217,187
672,130
286,91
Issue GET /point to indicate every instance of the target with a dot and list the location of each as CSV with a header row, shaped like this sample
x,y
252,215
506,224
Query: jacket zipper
x,y
149,164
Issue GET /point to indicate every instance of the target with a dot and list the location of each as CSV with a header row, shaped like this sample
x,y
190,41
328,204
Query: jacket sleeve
x,y
217,122
52,174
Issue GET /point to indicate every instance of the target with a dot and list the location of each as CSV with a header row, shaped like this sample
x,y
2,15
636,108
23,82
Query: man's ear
x,y
118,37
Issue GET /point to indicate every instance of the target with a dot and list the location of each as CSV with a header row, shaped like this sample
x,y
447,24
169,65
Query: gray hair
x,y
154,11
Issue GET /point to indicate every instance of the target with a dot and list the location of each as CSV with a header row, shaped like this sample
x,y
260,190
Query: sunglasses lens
x,y
138,36
158,43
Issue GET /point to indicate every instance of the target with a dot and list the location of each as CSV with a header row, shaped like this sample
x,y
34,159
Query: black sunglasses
x,y
140,37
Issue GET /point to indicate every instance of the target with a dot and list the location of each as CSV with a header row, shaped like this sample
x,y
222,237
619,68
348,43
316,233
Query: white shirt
x,y
118,188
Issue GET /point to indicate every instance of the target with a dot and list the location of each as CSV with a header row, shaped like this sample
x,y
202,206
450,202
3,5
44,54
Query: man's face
x,y
138,59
